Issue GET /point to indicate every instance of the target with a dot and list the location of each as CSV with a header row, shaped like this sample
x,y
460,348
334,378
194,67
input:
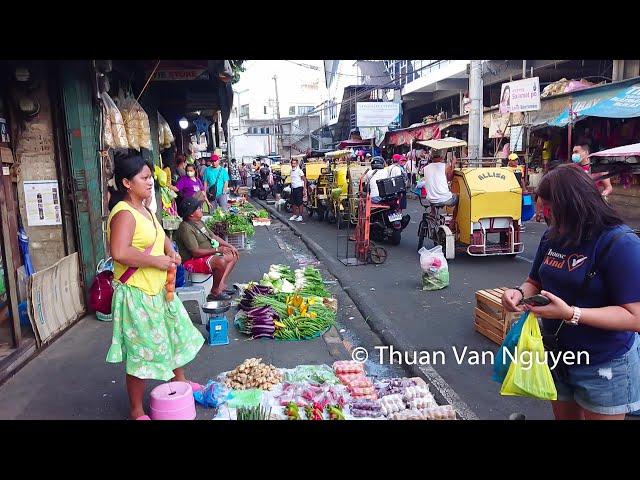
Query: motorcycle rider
x,y
377,172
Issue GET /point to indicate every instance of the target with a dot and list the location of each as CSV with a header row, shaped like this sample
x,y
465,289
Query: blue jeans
x,y
609,388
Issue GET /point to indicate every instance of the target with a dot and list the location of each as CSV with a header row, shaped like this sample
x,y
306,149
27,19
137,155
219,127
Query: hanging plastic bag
x,y
529,375
118,131
502,360
164,133
435,270
136,122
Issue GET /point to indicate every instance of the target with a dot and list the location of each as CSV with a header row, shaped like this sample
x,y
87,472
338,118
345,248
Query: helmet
x,y
513,156
377,163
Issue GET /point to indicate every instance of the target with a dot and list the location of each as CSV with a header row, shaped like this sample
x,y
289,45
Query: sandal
x,y
195,387
221,296
143,417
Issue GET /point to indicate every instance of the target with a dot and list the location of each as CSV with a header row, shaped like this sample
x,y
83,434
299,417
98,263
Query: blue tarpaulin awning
x,y
621,102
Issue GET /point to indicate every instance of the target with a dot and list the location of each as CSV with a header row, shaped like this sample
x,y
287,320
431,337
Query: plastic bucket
x,y
172,401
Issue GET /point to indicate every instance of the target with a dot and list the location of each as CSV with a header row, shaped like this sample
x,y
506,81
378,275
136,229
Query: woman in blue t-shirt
x,y
588,265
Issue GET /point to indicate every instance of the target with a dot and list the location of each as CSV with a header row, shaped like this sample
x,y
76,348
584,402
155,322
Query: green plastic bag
x,y
529,375
244,398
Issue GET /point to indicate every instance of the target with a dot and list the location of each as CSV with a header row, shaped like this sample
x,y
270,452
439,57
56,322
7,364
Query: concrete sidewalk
x,y
71,380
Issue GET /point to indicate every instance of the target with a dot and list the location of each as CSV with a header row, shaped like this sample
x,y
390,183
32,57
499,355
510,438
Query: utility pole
x,y
475,114
275,80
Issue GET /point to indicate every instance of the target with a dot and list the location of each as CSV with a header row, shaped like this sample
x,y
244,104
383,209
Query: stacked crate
x,y
491,319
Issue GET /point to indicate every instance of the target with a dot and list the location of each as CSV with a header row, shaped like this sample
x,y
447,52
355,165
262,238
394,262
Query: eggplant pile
x,y
250,293
257,322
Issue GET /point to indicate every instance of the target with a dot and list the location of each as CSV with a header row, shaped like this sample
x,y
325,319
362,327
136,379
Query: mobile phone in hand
x,y
536,301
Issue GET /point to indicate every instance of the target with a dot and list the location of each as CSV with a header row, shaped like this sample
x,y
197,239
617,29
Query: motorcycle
x,y
260,188
387,225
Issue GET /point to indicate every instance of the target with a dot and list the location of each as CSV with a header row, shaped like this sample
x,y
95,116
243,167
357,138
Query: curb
x,y
378,321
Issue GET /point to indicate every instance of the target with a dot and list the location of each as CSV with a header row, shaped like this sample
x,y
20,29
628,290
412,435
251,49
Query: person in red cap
x,y
397,170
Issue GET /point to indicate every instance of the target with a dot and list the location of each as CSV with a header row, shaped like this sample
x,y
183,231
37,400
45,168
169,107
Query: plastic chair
x,y
194,293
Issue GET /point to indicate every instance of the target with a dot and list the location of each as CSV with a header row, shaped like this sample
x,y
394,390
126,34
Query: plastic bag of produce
x,y
212,395
435,270
348,366
136,124
118,131
529,374
244,398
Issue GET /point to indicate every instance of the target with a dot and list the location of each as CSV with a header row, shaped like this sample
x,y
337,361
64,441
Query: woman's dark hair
x,y
190,165
126,167
579,212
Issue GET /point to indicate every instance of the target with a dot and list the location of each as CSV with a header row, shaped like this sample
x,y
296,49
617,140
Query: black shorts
x,y
296,196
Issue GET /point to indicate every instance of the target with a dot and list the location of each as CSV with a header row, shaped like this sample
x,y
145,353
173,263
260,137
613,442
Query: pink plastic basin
x,y
172,401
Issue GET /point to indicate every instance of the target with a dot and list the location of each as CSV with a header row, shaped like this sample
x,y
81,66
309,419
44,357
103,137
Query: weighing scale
x,y
218,326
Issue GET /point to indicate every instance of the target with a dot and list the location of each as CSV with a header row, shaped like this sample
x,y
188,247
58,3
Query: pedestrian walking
x,y
234,176
153,335
216,183
298,191
588,265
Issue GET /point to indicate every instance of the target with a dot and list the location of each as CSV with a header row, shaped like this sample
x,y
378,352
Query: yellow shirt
x,y
148,279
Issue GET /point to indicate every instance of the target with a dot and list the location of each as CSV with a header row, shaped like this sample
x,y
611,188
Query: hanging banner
x,y
377,133
520,96
405,137
377,114
498,127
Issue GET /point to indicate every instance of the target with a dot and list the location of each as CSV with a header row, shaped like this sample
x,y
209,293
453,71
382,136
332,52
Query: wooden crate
x,y
491,320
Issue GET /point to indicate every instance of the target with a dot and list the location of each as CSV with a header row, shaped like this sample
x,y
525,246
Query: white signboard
x,y
42,200
517,138
377,114
520,96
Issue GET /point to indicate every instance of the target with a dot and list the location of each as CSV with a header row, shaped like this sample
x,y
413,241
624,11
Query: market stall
x,y
257,391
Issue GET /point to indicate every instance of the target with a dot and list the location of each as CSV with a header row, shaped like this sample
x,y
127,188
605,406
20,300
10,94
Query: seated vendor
x,y
202,251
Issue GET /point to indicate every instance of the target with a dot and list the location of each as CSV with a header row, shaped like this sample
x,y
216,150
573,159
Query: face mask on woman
x,y
575,158
191,173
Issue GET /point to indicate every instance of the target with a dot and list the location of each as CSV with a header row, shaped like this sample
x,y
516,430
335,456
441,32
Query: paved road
x,y
440,320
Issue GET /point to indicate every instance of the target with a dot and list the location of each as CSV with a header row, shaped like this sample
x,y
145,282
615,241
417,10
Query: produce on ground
x,y
392,404
316,374
335,412
443,412
411,393
366,408
308,281
348,366
292,411
253,413
393,385
301,327
252,373
422,403
258,322
314,412
281,271
305,394
407,415
234,223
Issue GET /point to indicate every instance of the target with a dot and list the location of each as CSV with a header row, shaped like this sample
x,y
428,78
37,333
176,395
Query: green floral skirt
x,y
151,335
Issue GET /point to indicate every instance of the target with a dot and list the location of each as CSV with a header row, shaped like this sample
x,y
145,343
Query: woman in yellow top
x,y
154,336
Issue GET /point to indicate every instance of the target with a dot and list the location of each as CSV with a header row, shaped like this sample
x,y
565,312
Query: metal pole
x,y
524,68
475,113
309,131
275,81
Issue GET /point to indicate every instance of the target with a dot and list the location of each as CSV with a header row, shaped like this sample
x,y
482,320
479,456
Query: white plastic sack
x,y
435,269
